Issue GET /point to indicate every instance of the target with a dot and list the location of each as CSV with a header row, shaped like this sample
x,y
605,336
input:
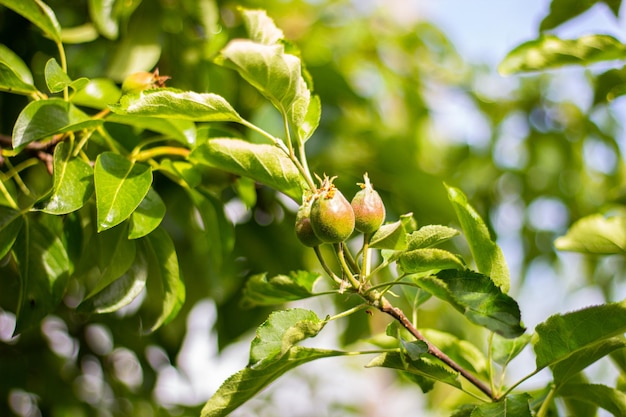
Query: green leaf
x,y
487,254
263,291
183,131
73,182
582,358
563,10
39,14
276,75
98,93
11,222
461,351
390,236
424,366
16,65
429,236
517,405
504,350
424,260
11,82
182,170
595,234
174,104
102,13
147,216
263,163
122,291
280,332
45,118
121,186
56,78
549,52
243,385
43,265
563,335
165,284
476,296
261,27
610,399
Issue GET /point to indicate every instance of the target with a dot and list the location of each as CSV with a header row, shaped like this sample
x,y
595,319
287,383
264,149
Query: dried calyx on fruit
x,y
368,207
304,230
332,217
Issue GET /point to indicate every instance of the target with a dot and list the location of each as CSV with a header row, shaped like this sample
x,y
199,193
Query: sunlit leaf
x,y
430,235
280,332
487,254
11,82
98,93
183,131
261,290
16,64
610,399
563,335
147,216
517,405
73,182
165,284
548,52
563,10
38,13
183,170
430,259
243,385
174,104
389,236
43,265
582,358
11,222
264,163
56,78
121,186
45,118
476,296
595,234
103,16
261,27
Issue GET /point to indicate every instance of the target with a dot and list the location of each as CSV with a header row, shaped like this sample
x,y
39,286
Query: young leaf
x,y
39,14
429,236
487,254
43,265
548,52
56,78
147,216
165,284
73,182
45,118
120,292
261,27
263,291
610,399
476,296
517,405
243,385
174,104
424,260
264,163
280,332
121,185
11,82
504,350
11,222
563,335
595,234
582,358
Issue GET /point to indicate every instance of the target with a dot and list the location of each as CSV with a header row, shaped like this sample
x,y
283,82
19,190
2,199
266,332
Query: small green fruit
x,y
369,209
143,80
332,217
304,230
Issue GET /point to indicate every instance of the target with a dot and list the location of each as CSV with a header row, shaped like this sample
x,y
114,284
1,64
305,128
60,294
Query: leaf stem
x,y
545,405
365,263
325,266
339,249
7,195
63,58
349,312
159,151
399,315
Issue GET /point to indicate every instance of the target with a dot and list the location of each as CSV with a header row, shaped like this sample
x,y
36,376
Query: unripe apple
x,y
332,217
368,207
304,230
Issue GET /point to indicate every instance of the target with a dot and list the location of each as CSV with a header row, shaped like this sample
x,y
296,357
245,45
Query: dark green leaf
x,y
121,186
243,385
11,82
44,118
424,260
56,78
174,104
11,222
264,163
44,273
39,14
280,332
595,234
563,10
563,335
147,216
582,358
73,182
263,291
165,283
610,399
505,350
429,236
487,254
513,405
476,296
550,52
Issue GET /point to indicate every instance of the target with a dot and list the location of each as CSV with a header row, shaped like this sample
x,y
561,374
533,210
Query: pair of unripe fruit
x,y
328,217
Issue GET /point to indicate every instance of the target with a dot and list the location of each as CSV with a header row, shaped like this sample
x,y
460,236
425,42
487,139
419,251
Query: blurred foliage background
x,y
399,102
